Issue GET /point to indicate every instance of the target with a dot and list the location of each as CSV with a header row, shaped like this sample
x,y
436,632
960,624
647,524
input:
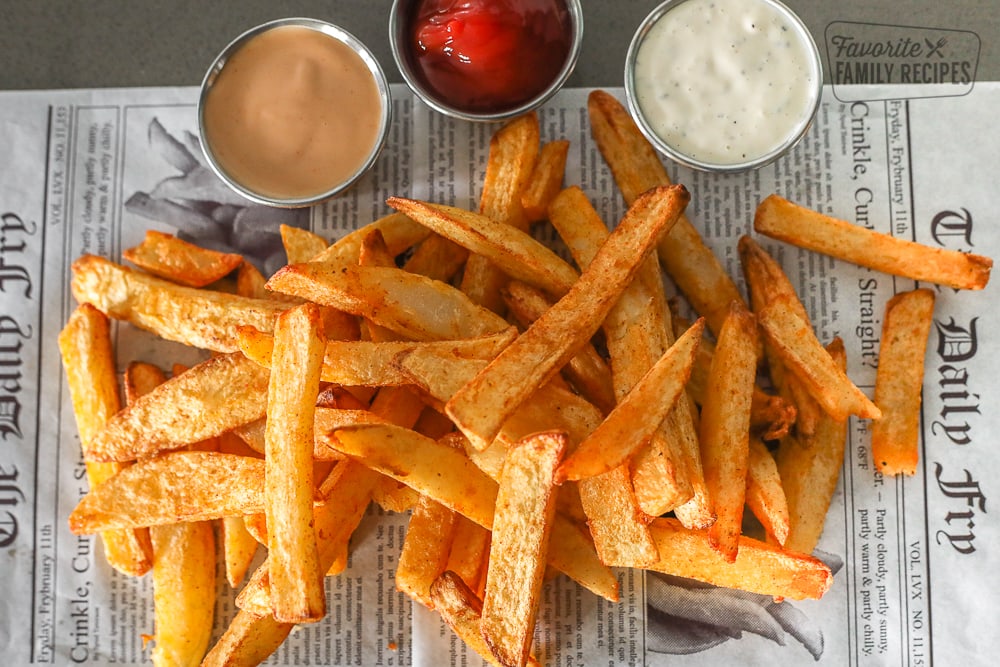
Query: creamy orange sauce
x,y
293,113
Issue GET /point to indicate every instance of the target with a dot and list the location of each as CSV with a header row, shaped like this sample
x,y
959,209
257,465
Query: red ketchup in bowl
x,y
489,55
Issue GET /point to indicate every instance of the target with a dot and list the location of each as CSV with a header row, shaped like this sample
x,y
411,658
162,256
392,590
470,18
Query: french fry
x,y
513,251
85,346
767,282
438,258
470,548
239,548
199,318
425,549
462,611
758,568
521,529
898,381
587,371
215,396
546,180
794,341
249,640
636,168
183,592
411,305
181,486
765,496
398,231
725,427
169,257
480,408
301,245
511,160
638,414
250,282
781,219
296,579
809,473
616,523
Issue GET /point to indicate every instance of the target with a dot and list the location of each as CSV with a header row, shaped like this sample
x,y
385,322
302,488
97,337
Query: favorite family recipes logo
x,y
931,62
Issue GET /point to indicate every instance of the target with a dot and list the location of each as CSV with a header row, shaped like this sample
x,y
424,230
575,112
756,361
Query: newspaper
x,y
917,559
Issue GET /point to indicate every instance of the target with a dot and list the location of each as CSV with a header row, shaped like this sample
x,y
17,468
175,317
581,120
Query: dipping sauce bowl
x,y
293,112
485,60
723,85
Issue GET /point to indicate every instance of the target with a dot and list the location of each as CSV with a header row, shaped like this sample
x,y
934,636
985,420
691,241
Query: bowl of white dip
x,y
723,85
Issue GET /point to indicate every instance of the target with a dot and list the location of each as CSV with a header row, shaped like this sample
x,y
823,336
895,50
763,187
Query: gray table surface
x,y
112,43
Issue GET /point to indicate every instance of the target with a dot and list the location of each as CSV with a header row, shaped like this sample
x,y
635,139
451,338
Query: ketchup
x,y
489,55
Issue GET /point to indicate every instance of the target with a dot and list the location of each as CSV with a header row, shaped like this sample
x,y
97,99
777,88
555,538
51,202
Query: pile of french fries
x,y
529,413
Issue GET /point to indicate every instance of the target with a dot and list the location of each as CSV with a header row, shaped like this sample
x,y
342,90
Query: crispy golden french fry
x,y
213,397
809,473
200,318
796,344
587,371
434,469
182,486
667,470
546,180
170,258
481,407
571,550
301,245
636,169
781,219
183,592
511,160
767,282
249,640
524,516
725,427
297,593
470,549
239,548
462,611
638,414
85,346
758,568
366,363
411,305
425,549
250,282
765,496
398,231
514,251
438,258
899,380
616,523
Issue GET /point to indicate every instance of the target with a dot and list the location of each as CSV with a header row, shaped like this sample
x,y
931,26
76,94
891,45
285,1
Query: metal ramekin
x,y
399,23
687,160
335,32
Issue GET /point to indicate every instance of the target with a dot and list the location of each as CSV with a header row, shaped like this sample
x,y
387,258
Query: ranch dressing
x,y
726,82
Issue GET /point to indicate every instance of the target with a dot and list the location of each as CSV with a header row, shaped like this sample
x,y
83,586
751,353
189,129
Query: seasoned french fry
x,y
616,523
239,548
636,169
796,344
301,245
546,180
200,318
765,496
511,160
637,415
411,305
462,611
480,408
249,640
781,219
525,512
438,258
297,592
425,549
213,397
182,486
181,262
250,282
398,231
85,346
725,427
809,473
514,251
898,381
470,548
758,568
